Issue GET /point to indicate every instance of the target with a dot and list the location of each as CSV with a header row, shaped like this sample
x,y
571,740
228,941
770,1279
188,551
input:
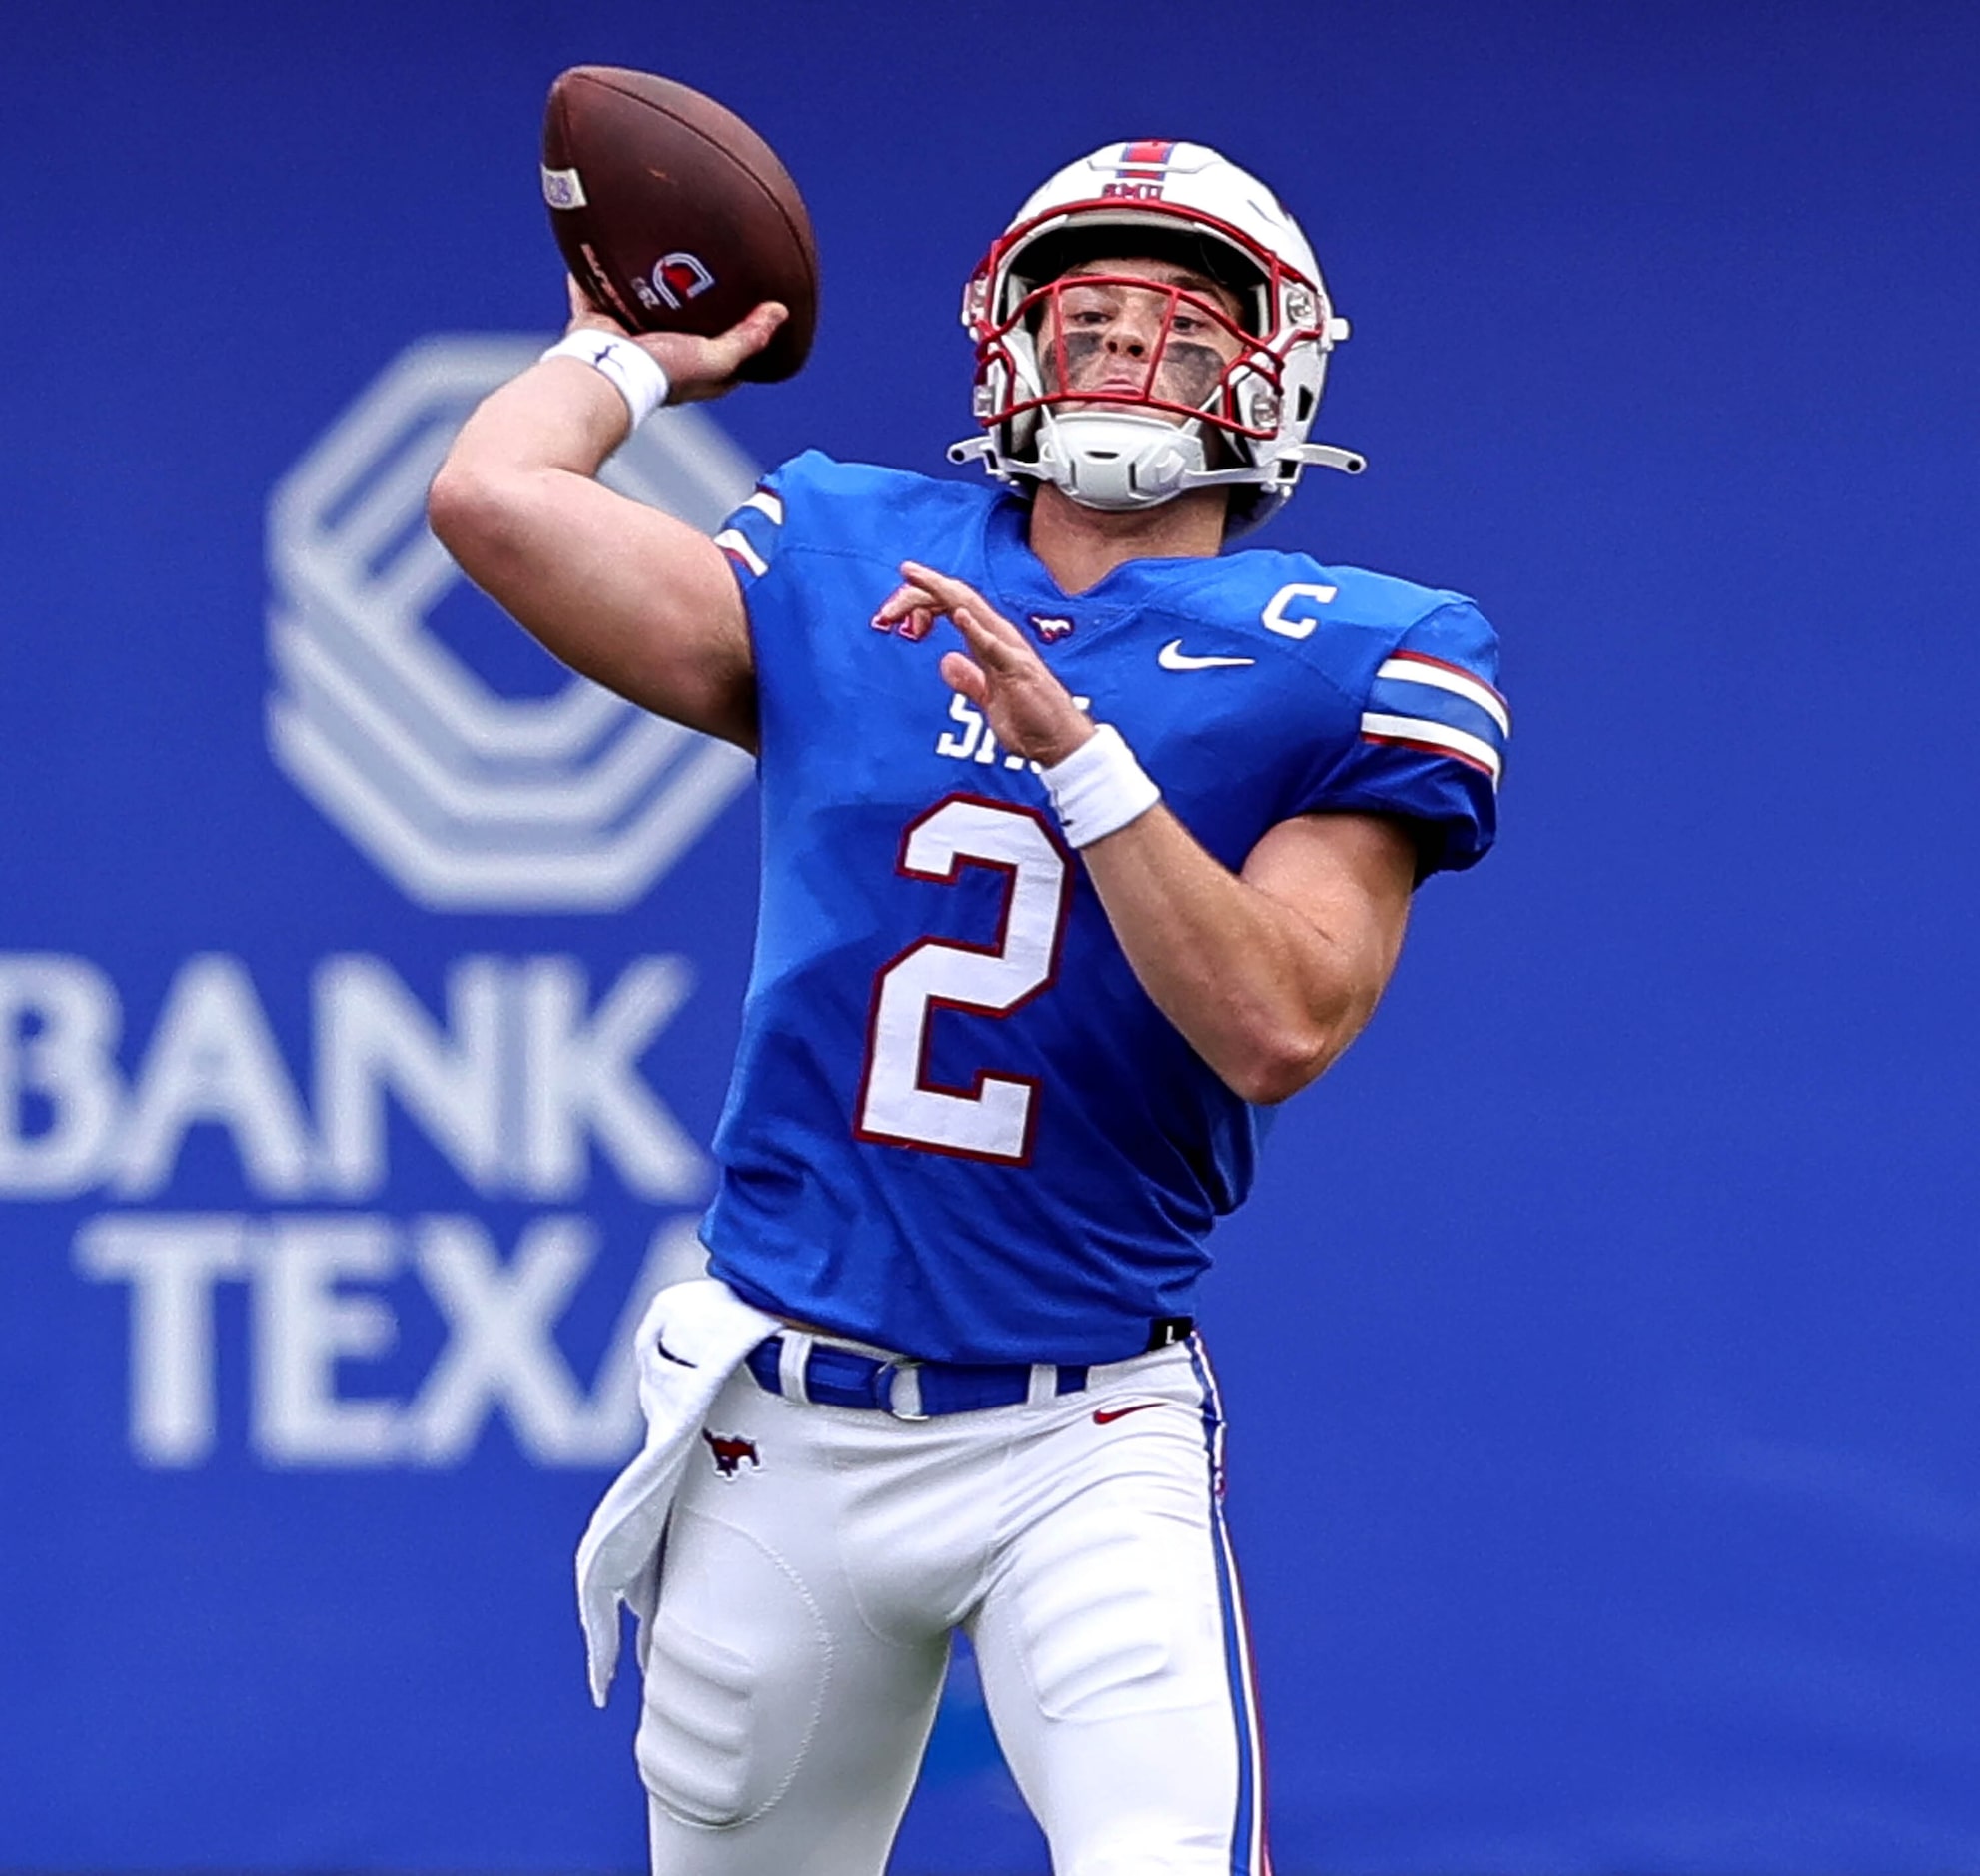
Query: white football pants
x,y
817,1560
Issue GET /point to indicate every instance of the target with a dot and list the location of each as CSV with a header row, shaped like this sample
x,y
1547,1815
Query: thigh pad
x,y
736,1669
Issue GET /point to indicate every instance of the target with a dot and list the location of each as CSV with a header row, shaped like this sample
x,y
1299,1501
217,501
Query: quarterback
x,y
1084,840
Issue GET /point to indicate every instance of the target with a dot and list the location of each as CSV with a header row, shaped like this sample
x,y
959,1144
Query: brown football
x,y
674,214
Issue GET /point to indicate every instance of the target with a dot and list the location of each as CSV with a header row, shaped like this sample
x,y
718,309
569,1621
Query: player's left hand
x,y
1031,712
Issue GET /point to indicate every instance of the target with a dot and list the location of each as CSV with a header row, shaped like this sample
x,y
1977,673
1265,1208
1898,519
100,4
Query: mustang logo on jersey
x,y
730,1450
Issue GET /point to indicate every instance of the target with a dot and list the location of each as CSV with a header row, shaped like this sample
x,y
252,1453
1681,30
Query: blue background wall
x,y
1600,1342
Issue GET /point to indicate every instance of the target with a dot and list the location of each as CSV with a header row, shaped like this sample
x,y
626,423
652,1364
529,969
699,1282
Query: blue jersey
x,y
959,1128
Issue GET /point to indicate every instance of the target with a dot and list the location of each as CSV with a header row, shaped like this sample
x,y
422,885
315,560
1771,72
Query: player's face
x,y
1101,335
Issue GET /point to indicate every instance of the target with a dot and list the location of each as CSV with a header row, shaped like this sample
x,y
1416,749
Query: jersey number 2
x,y
992,1119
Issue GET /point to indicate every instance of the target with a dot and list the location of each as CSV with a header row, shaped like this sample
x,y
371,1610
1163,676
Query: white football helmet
x,y
1124,447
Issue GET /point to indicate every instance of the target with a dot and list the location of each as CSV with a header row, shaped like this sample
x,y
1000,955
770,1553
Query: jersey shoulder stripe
x,y
1419,702
751,534
1417,667
1415,732
736,544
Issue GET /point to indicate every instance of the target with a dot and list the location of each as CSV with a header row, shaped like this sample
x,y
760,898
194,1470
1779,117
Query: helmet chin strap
x,y
1116,460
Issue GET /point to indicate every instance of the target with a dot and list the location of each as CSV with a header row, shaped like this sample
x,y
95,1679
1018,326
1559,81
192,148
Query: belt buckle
x,y
890,1375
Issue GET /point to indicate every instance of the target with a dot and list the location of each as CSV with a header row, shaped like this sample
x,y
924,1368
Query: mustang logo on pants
x,y
730,1452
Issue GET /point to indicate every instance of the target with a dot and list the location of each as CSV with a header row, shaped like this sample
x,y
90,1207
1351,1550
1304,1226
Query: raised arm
x,y
633,599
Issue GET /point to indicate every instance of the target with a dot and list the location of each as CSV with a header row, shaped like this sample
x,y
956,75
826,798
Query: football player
x,y
1083,839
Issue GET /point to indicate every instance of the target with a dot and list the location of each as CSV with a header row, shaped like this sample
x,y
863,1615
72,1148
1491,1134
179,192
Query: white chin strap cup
x,y
1121,463
1116,462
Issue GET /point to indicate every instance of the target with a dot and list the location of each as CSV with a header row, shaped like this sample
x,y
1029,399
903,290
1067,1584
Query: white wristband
x,y
637,375
1099,789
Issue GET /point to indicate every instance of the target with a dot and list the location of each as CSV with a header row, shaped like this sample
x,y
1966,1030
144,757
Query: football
x,y
676,216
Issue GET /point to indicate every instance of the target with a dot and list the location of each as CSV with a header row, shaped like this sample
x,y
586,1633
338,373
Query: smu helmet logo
x,y
731,1452
467,798
1140,176
680,277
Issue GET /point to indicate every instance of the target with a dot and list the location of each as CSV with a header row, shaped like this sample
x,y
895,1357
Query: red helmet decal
x,y
1139,177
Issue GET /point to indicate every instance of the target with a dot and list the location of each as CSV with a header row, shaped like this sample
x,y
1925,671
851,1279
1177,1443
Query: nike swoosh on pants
x,y
1106,1417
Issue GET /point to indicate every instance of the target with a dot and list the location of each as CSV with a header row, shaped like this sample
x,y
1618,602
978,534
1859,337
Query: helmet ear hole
x,y
1303,405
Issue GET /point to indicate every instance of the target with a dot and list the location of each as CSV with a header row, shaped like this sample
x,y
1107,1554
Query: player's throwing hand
x,y
1028,708
697,369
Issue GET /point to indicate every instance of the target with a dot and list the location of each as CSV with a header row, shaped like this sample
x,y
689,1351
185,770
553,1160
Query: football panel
x,y
716,121
682,219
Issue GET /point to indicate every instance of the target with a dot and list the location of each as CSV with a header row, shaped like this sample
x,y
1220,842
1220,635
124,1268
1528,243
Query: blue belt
x,y
835,1376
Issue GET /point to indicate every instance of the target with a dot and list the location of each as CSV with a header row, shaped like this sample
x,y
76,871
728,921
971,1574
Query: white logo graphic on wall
x,y
471,800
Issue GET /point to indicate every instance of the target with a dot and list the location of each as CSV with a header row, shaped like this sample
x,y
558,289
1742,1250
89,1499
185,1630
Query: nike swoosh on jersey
x,y
1106,1417
1172,657
661,1342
